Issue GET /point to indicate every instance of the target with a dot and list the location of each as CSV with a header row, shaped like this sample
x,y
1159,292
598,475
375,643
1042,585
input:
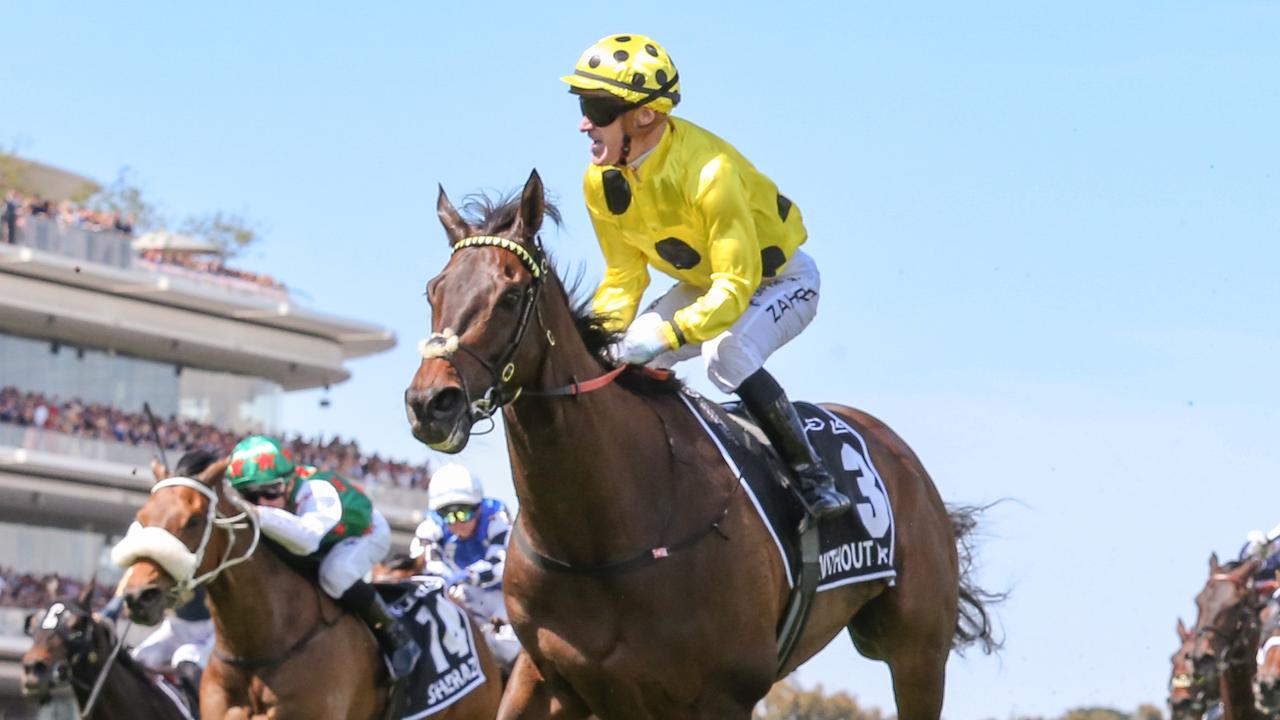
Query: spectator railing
x,y
30,438
224,282
106,247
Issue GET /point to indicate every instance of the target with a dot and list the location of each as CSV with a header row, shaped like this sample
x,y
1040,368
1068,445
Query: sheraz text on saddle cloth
x,y
450,667
855,547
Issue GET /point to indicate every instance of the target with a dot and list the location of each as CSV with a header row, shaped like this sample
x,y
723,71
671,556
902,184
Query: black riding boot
x,y
401,650
770,407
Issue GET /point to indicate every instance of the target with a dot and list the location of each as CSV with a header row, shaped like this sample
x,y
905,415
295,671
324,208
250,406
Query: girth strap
x,y
619,567
801,600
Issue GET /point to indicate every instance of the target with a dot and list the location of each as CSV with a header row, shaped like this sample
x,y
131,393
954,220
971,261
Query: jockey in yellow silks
x,y
665,193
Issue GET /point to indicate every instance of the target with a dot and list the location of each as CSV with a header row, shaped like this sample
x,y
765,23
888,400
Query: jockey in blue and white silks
x,y
464,541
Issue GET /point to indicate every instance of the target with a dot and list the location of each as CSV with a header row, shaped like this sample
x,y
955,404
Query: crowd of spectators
x,y
102,422
209,264
34,592
18,207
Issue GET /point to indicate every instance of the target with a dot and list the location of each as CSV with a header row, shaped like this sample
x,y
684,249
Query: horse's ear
x,y
158,470
1183,632
213,474
454,226
533,205
1213,563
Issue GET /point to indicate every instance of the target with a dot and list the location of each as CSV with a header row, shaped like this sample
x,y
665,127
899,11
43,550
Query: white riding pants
x,y
353,558
176,641
485,605
780,308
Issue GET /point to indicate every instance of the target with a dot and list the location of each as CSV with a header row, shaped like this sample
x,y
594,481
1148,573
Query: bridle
x,y
445,344
182,563
83,650
1245,621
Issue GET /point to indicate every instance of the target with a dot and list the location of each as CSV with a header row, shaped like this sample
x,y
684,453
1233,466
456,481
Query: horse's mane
x,y
491,216
194,462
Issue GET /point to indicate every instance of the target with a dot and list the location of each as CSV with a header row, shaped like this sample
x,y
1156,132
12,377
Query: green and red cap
x,y
259,460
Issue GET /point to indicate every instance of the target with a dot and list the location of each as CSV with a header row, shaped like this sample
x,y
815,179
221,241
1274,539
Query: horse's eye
x,y
510,300
193,522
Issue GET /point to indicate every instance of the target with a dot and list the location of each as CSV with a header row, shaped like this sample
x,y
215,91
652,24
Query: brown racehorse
x,y
606,476
1225,643
1188,699
69,645
284,648
1266,683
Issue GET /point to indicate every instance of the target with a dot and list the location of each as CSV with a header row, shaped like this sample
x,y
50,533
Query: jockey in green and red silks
x,y
665,193
312,512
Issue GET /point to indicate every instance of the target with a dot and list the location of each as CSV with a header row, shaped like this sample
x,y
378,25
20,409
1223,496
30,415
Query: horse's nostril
x,y
445,404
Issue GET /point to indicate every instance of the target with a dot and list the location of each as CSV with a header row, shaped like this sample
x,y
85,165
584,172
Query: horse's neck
x,y
258,605
1236,684
587,469
123,690
1236,687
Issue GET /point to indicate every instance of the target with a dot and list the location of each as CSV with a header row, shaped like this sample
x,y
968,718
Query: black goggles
x,y
265,492
602,111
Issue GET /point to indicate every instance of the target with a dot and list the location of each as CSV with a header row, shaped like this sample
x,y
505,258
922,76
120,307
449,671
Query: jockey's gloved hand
x,y
456,577
648,337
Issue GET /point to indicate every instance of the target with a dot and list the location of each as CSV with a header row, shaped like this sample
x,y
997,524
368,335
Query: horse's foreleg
x,y
528,697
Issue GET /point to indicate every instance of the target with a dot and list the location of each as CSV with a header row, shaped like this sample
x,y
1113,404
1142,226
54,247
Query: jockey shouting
x,y
662,191
308,513
464,540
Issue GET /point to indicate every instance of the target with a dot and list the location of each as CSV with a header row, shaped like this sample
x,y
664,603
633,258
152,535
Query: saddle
x,y
850,548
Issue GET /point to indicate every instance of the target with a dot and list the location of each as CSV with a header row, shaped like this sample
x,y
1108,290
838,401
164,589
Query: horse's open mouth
x,y
450,439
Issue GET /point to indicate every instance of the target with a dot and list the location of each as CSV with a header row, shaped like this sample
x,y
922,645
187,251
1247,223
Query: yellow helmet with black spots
x,y
634,68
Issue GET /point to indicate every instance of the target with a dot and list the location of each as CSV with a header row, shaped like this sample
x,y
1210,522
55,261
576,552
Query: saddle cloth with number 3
x,y
854,547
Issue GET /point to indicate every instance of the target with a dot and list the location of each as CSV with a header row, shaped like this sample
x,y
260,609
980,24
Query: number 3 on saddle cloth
x,y
855,547
449,667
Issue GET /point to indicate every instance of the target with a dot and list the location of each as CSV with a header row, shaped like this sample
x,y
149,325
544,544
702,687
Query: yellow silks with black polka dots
x,y
699,211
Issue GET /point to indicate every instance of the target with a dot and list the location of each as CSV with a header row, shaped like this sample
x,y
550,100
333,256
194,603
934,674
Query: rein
x,y
445,343
1244,622
102,675
181,562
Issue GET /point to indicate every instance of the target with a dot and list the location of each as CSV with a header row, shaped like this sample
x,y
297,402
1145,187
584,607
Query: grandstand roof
x,y
179,320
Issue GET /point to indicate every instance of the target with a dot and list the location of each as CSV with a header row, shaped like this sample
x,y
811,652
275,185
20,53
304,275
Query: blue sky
x,y
1048,235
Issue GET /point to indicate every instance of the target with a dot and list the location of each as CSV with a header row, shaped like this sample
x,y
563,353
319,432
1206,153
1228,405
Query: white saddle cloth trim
x,y
737,473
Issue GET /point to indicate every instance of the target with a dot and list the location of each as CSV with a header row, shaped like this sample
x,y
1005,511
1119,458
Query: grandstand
x,y
91,328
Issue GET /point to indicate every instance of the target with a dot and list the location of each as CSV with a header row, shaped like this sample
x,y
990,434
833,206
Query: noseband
x,y
1245,620
445,343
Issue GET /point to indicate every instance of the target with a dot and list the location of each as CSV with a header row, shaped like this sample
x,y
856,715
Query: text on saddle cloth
x,y
854,547
450,667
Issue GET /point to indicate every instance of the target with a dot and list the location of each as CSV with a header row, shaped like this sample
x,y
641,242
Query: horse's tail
x,y
973,626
